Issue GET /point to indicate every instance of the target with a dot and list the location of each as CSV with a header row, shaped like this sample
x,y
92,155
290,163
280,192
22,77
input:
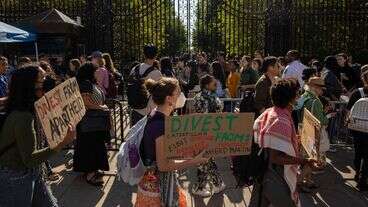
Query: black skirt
x,y
90,152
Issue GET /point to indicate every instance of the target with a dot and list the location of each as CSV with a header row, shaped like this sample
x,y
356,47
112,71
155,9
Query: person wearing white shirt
x,y
295,68
150,53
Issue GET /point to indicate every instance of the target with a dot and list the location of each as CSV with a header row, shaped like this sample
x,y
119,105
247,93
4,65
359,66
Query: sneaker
x,y
219,188
202,192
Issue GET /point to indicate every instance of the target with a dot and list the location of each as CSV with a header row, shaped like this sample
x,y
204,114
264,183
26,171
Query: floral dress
x,y
208,102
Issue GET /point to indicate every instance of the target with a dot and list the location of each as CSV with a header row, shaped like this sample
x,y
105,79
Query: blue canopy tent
x,y
11,34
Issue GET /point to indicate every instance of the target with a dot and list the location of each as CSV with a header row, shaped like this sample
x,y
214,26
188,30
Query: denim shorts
x,y
24,188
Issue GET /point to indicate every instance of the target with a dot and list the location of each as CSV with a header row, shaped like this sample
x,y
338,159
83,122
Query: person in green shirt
x,y
248,75
20,159
313,89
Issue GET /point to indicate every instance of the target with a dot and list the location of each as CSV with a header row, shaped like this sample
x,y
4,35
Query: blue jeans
x,y
24,188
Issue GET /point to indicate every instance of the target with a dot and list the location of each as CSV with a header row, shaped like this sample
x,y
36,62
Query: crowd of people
x,y
276,89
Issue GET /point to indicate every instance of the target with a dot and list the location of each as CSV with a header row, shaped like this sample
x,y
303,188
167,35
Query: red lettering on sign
x,y
55,99
44,108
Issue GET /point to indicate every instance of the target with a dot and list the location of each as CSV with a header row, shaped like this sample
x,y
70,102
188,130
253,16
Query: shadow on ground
x,y
337,187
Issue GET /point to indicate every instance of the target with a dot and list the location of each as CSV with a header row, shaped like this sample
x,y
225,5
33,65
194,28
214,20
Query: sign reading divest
x,y
58,108
310,134
224,134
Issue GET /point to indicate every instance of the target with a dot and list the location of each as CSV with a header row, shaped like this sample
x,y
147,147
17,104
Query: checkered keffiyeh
x,y
274,129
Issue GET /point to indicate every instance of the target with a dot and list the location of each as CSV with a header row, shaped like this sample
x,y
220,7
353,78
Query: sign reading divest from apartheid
x,y
310,134
219,134
58,108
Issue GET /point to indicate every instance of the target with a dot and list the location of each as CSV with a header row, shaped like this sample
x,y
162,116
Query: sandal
x,y
94,179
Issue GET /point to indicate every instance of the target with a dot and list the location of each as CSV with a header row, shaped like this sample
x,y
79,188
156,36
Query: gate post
x,y
278,37
100,25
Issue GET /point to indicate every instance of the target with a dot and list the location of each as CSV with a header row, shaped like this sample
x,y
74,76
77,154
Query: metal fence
x,y
120,118
121,27
230,105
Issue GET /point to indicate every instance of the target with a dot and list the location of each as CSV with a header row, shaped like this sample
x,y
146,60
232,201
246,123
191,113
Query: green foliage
x,y
315,27
234,26
147,22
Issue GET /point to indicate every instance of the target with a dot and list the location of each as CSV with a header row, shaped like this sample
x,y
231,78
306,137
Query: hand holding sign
x,y
200,159
69,138
60,107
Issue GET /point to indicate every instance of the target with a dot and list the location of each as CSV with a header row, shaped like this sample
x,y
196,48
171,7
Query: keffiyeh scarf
x,y
274,129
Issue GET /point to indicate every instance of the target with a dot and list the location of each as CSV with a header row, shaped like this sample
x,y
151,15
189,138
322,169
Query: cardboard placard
x,y
219,134
310,136
58,108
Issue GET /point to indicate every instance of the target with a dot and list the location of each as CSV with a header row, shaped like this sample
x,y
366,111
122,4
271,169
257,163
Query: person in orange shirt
x,y
233,79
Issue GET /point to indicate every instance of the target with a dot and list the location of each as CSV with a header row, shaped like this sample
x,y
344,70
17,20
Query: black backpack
x,y
137,92
247,103
248,169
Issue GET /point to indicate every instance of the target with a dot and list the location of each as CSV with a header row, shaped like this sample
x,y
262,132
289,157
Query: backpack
x,y
247,102
248,169
358,118
111,91
137,92
130,166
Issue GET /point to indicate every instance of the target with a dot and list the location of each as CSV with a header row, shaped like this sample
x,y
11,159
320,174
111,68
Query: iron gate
x,y
235,26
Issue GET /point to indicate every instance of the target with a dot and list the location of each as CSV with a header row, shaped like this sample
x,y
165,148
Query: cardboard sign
x,y
58,108
310,134
219,134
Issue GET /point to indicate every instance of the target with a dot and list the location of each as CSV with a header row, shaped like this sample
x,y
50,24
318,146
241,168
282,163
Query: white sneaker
x,y
203,192
219,188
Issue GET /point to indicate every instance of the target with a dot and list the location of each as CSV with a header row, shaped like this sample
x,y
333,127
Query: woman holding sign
x,y
20,159
159,186
275,133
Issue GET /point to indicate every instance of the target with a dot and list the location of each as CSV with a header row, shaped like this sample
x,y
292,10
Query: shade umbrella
x,y
11,34
50,22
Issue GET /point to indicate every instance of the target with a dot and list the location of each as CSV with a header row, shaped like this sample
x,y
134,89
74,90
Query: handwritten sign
x,y
310,136
224,134
58,108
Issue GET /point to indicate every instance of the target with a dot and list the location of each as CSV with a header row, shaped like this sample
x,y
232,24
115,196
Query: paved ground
x,y
336,190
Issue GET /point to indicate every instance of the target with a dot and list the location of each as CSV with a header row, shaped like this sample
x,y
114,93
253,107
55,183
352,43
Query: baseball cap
x,y
96,54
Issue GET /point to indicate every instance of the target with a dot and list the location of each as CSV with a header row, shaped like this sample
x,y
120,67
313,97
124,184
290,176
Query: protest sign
x,y
219,134
58,108
310,134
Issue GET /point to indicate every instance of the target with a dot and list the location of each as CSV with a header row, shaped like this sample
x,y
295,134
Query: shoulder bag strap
x,y
148,71
361,91
136,71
